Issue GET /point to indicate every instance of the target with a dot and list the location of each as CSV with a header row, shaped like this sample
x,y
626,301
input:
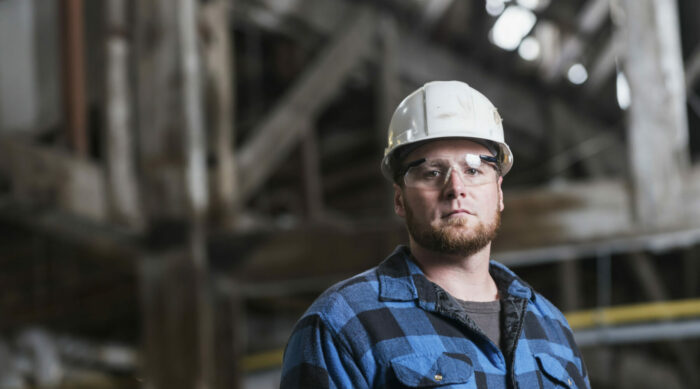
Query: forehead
x,y
447,147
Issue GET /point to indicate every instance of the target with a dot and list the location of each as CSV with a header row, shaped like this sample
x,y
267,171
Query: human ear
x,y
398,201
500,194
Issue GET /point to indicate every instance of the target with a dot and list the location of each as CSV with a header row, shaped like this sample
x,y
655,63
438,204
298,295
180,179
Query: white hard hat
x,y
445,109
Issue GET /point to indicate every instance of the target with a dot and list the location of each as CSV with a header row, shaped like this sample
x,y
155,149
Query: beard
x,y
452,236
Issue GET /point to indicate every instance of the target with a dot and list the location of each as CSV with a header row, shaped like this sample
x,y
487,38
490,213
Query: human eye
x,y
431,173
474,172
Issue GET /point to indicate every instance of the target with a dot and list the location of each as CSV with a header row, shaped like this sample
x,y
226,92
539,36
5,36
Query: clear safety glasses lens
x,y
434,172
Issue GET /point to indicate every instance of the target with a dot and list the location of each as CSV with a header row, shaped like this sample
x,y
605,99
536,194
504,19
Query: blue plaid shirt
x,y
390,327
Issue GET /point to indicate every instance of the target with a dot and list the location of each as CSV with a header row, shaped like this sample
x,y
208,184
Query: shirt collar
x,y
400,279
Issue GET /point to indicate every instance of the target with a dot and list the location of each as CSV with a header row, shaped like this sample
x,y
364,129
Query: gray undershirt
x,y
486,315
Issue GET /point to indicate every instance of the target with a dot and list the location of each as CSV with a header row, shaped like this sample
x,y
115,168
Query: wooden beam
x,y
47,177
122,185
590,19
313,186
218,59
229,327
596,147
172,321
161,152
569,277
194,138
517,104
196,187
538,226
273,139
604,66
658,123
389,82
100,242
30,85
178,321
322,16
570,212
74,75
692,69
389,86
433,12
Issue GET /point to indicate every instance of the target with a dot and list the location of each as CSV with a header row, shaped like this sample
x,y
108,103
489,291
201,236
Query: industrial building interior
x,y
179,180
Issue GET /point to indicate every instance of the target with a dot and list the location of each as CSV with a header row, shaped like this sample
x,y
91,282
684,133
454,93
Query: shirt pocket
x,y
421,371
554,371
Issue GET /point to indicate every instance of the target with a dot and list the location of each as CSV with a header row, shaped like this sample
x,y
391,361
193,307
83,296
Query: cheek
x,y
490,199
424,207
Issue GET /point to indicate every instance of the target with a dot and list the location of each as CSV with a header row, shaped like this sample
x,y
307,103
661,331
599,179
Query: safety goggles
x,y
434,172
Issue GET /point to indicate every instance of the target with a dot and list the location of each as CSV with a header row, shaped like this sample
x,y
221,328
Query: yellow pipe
x,y
634,313
577,320
263,360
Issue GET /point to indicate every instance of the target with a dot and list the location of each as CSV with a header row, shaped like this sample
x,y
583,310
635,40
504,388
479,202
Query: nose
x,y
454,187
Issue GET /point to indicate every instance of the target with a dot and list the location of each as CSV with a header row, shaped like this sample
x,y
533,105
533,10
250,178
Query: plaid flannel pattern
x,y
391,327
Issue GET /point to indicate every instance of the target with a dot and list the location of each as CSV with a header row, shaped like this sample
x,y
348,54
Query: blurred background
x,y
180,179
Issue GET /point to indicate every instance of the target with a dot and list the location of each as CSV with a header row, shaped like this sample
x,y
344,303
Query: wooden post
x,y
172,314
176,299
389,93
122,186
389,89
159,89
570,284
74,75
658,128
313,186
218,52
229,327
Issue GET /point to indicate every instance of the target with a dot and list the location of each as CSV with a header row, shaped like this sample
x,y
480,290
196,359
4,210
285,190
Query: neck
x,y
464,277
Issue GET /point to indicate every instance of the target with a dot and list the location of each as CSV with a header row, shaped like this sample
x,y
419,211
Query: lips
x,y
457,212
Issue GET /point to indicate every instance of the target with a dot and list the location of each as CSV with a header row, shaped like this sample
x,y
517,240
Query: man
x,y
438,312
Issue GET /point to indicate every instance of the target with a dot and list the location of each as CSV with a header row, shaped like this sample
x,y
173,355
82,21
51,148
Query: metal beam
x,y
638,333
656,243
